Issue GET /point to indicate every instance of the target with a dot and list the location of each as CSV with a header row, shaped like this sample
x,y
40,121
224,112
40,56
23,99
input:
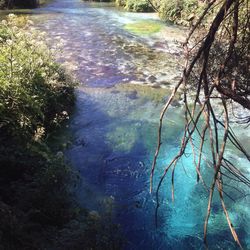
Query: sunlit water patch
x,y
122,76
100,52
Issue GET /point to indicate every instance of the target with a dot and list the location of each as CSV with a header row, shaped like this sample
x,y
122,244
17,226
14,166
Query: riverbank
x,y
36,97
37,206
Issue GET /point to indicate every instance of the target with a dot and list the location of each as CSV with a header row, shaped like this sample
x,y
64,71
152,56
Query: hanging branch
x,y
153,6
216,62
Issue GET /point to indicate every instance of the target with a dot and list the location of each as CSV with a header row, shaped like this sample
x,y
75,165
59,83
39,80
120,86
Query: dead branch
x,y
222,81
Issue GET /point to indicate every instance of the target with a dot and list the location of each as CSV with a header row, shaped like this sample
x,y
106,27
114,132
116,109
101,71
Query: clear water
x,y
115,126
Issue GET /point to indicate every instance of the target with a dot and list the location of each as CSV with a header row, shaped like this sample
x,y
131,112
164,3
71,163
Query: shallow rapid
x,y
124,80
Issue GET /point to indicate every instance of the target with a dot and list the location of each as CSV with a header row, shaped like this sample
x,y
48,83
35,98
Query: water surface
x,y
124,81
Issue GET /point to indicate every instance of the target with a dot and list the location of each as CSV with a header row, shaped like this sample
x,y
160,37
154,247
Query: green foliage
x,y
36,206
138,6
97,232
135,5
2,4
34,91
26,3
120,2
35,97
180,11
176,10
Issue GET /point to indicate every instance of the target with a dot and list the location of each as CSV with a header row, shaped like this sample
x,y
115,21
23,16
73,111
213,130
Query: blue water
x,y
119,135
115,130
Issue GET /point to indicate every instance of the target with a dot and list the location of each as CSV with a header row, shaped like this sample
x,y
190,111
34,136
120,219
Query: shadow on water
x,y
113,157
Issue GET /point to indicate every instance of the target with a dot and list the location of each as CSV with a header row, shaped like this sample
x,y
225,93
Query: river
x,y
124,80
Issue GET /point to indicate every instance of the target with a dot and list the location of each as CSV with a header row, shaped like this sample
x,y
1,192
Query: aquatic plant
x,y
19,3
143,27
122,138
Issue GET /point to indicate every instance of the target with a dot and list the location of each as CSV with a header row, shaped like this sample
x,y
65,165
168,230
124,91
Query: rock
x,y
141,164
156,86
80,142
164,83
132,95
151,79
138,204
175,103
59,155
115,92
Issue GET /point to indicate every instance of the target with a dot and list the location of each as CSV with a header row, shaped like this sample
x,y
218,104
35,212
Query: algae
x,y
122,138
143,27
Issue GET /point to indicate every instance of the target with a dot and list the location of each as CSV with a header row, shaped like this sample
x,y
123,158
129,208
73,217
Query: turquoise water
x,y
119,134
124,81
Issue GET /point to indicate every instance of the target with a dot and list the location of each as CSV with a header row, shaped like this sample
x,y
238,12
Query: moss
x,y
143,27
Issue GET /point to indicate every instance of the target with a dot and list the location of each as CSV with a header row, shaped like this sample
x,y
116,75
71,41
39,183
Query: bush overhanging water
x,y
36,96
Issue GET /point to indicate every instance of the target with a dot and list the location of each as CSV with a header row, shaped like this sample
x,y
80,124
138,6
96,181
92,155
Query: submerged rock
x,y
59,155
151,79
132,95
175,103
80,142
94,215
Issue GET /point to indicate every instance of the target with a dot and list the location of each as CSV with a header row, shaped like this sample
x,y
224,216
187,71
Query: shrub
x,y
135,5
180,11
34,92
2,4
138,5
37,210
120,2
35,97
